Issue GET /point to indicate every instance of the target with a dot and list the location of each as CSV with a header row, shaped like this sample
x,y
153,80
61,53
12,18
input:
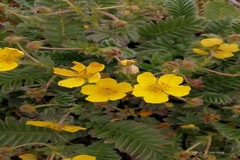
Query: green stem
x,y
111,7
78,10
221,73
26,54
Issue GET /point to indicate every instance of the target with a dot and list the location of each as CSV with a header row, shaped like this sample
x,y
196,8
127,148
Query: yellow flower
x,y
225,50
55,126
155,90
9,58
106,89
80,74
218,49
188,126
81,157
28,156
209,42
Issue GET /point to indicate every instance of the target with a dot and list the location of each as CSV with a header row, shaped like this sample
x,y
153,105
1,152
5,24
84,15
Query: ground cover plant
x,y
119,79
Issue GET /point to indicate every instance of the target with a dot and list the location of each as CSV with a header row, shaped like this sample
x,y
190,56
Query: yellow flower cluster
x,y
217,48
152,90
9,58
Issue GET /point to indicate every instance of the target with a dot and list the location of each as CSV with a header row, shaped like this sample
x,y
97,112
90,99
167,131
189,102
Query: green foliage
x,y
25,76
228,131
136,139
14,133
178,8
160,36
172,27
219,10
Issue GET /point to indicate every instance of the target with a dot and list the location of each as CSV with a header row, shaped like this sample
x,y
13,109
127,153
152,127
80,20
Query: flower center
x,y
109,91
159,87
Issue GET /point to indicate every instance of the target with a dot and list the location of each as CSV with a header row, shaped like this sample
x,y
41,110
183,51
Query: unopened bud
x,y
119,23
2,7
28,108
36,93
194,102
196,83
111,51
13,39
188,65
34,45
171,66
42,9
211,117
188,126
169,104
127,62
129,70
6,151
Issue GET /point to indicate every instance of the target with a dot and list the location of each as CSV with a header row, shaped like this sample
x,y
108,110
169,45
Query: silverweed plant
x,y
119,79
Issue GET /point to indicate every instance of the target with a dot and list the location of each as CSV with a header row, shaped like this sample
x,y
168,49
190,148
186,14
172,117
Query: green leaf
x,y
14,133
136,139
177,8
220,10
101,151
172,27
216,98
19,77
227,131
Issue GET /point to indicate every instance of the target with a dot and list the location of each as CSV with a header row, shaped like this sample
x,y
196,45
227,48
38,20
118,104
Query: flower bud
x,y
188,126
2,7
36,93
34,45
211,117
28,108
119,23
171,66
13,39
188,65
111,51
196,83
129,70
194,102
6,151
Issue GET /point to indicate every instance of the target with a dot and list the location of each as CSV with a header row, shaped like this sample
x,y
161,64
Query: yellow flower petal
x,y
79,67
209,42
64,72
40,123
156,98
188,126
199,51
90,89
146,78
94,67
124,87
223,54
97,98
178,91
14,53
170,79
127,62
7,66
71,82
107,82
117,95
71,128
140,90
28,156
228,47
94,78
81,157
